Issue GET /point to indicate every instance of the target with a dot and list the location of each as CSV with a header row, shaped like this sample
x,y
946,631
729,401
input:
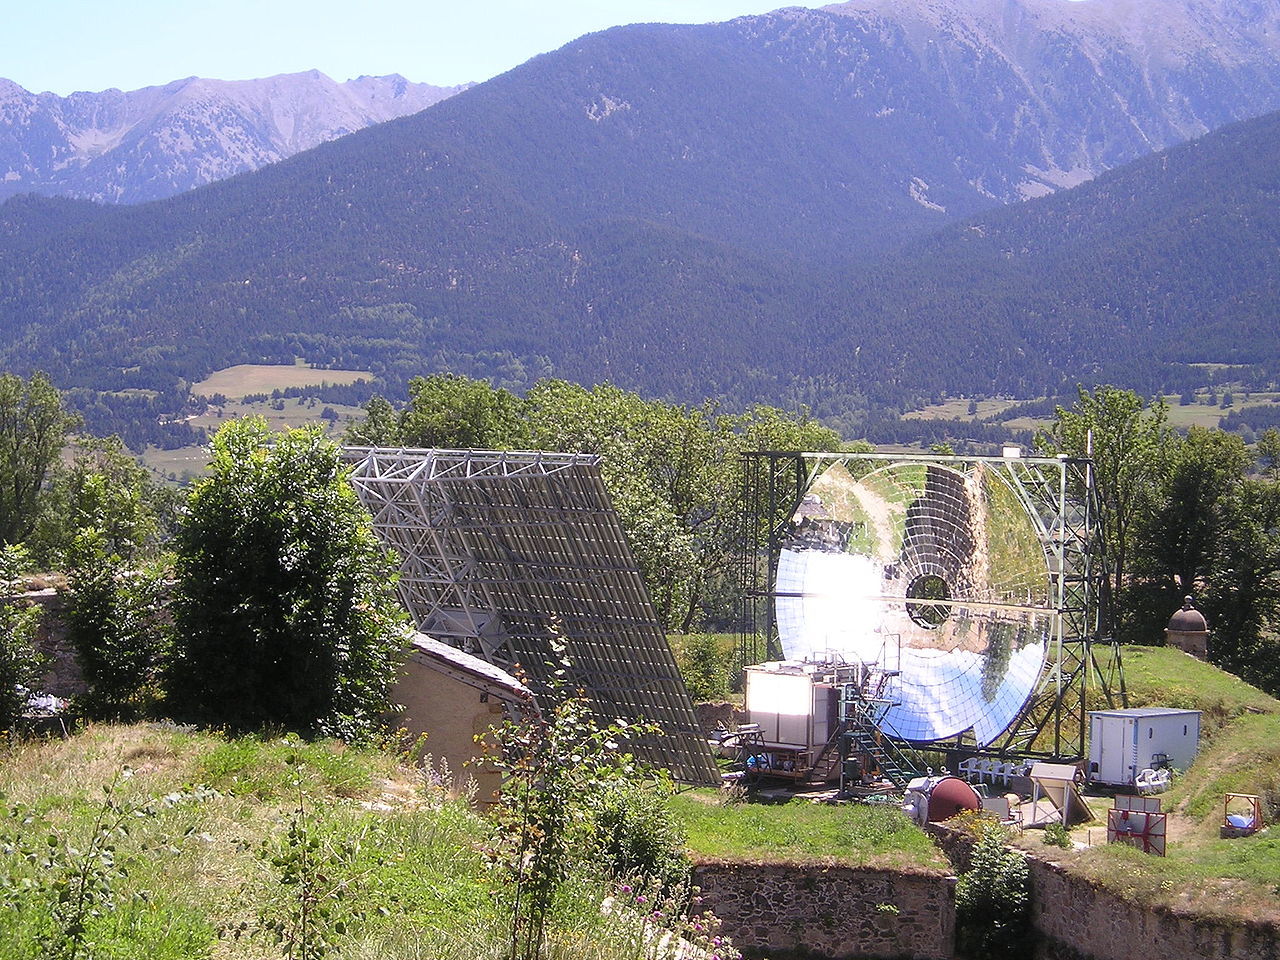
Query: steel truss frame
x,y
508,555
1083,669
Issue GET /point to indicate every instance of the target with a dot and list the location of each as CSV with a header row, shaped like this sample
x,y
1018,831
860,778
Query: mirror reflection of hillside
x,y
934,573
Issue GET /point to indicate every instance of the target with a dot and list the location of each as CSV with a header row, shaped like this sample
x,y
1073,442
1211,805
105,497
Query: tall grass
x,y
200,874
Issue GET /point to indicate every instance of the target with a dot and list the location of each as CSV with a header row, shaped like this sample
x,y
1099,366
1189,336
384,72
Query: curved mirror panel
x,y
935,575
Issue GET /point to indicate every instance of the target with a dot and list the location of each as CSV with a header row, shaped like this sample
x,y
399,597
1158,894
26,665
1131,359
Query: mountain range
x,y
126,147
816,205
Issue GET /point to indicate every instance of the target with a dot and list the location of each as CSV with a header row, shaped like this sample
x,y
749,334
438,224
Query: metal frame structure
x,y
1058,496
508,555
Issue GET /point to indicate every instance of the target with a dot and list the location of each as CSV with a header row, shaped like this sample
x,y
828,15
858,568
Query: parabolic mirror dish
x,y
935,574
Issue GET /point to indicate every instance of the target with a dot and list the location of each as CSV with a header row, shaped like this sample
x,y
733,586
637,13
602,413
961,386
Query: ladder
x,y
864,698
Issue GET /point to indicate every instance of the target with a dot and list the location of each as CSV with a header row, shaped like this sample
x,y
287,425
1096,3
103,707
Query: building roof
x,y
468,669
1141,712
1188,620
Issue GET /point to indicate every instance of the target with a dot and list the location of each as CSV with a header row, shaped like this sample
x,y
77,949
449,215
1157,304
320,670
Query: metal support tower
x,y
513,555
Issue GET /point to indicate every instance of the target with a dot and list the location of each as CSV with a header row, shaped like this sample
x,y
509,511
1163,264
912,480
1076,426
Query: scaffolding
x,y
508,555
1082,669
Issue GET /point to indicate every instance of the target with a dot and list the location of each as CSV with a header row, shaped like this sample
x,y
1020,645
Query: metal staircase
x,y
865,696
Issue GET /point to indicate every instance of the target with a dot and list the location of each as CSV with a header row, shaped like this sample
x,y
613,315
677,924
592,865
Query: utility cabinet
x,y
1123,743
793,704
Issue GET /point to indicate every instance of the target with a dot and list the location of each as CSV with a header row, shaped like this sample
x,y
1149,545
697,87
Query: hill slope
x,y
1169,261
684,210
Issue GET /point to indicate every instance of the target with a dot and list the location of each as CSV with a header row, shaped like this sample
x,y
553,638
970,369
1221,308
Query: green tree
x,y
283,602
456,412
1126,438
33,430
118,622
106,490
993,901
1179,543
19,662
379,428
673,472
1242,595
643,447
712,503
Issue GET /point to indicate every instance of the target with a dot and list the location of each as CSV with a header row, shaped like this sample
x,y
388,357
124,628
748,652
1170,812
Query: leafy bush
x,y
993,902
639,838
118,622
704,667
1056,835
283,606
19,662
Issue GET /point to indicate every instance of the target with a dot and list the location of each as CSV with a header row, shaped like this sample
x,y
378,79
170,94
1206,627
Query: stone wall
x,y
783,911
1078,920
63,677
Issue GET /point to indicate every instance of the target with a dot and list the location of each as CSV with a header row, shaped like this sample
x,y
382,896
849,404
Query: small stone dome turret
x,y
1188,619
1188,630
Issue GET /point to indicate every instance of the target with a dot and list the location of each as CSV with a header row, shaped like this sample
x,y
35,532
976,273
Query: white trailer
x,y
1123,743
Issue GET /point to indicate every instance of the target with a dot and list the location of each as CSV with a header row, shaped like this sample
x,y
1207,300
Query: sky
x,y
67,45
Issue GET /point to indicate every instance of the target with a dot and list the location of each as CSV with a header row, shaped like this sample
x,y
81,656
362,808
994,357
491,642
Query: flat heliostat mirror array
x,y
507,555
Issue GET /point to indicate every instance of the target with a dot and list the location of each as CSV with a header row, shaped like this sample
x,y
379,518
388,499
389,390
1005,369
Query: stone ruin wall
x,y
62,677
1078,920
783,911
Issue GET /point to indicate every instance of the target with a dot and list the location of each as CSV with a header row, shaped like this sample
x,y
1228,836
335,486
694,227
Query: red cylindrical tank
x,y
949,796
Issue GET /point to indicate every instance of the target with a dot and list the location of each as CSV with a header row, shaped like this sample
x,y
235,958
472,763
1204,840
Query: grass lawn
x,y
292,412
803,832
247,378
958,409
1165,677
208,820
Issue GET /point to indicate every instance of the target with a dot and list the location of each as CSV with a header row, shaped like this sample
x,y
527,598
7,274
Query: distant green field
x,y
1201,414
249,378
293,412
958,409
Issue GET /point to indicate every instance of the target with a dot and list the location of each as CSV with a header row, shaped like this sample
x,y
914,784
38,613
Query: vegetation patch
x,y
253,847
248,378
799,831
1166,677
1239,752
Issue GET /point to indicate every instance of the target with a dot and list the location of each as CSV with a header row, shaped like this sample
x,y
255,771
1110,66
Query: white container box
x,y
793,707
1123,743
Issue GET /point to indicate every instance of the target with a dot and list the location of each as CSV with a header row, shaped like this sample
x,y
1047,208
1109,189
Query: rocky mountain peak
x,y
150,143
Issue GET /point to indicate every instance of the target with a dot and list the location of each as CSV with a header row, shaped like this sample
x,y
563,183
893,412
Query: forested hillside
x,y
734,209
1169,261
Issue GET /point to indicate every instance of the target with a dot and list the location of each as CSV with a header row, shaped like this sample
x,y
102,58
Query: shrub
x,y
1056,835
283,605
119,625
704,668
19,662
993,902
558,767
638,837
